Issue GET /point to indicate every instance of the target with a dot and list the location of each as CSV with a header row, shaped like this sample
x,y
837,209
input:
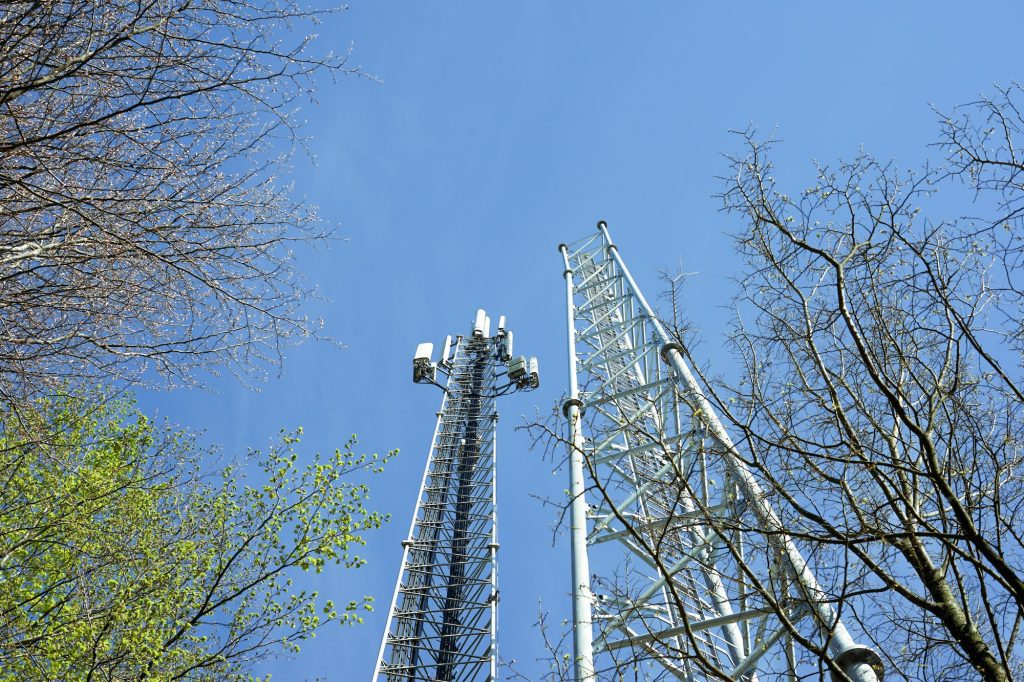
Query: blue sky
x,y
498,131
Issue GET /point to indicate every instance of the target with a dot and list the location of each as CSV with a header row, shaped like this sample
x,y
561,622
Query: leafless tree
x,y
144,224
881,399
554,653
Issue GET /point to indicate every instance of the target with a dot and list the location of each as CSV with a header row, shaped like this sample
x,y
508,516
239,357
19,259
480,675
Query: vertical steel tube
x,y
582,598
849,655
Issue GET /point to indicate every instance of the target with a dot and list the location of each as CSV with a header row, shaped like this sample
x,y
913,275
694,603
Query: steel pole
x,y
857,661
582,598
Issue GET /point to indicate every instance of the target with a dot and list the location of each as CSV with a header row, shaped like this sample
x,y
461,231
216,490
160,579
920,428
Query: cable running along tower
x,y
442,624
679,561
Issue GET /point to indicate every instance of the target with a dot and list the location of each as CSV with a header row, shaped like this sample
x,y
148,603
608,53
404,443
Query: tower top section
x,y
442,626
516,372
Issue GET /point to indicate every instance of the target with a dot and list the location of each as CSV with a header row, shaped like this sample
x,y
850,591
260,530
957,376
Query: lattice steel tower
x,y
679,562
442,625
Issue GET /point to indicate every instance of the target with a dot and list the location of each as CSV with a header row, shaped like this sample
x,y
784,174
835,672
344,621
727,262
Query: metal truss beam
x,y
703,581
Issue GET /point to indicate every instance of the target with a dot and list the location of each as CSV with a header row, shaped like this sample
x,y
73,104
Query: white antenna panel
x,y
446,352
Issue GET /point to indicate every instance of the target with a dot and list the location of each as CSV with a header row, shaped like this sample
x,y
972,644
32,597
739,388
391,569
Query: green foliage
x,y
121,557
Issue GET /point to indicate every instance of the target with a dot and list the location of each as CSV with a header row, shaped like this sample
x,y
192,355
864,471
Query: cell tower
x,y
442,625
708,577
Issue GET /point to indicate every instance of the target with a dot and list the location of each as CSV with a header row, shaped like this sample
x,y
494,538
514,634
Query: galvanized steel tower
x,y
679,562
442,625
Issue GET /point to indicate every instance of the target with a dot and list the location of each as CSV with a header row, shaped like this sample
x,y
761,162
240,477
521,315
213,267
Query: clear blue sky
x,y
500,130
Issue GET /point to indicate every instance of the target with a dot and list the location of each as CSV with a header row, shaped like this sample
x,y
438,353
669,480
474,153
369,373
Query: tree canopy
x,y
143,222
144,230
124,555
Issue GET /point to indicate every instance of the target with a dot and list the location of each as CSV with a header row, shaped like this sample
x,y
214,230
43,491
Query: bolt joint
x,y
568,404
858,655
668,348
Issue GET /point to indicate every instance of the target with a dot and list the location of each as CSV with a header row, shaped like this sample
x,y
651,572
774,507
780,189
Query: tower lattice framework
x,y
679,561
442,625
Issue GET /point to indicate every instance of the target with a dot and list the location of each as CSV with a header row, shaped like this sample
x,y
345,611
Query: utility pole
x,y
679,559
442,625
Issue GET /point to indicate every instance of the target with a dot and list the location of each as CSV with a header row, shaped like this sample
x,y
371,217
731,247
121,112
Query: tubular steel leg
x,y
582,598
